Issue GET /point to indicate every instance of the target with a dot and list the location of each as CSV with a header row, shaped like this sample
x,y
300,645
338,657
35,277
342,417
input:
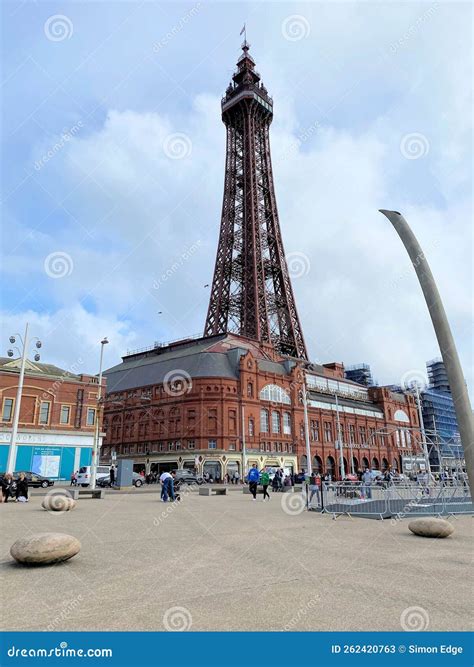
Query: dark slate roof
x,y
272,367
149,369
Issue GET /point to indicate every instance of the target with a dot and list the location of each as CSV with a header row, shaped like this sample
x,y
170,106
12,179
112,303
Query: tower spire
x,y
251,290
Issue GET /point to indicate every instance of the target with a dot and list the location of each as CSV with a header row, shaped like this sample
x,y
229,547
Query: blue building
x,y
439,417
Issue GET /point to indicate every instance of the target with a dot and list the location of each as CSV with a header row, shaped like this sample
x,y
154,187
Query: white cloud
x,y
360,300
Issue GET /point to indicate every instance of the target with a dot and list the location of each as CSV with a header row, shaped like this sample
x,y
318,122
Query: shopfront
x,y
52,455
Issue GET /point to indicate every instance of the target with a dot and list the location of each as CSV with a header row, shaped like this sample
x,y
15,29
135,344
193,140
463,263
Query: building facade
x,y
57,418
439,418
221,403
236,396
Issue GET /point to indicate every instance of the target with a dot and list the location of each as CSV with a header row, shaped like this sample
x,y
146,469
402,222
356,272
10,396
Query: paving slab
x,y
231,563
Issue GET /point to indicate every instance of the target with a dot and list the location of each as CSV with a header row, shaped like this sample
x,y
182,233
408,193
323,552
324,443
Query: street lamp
x,y
16,415
304,393
445,338
95,450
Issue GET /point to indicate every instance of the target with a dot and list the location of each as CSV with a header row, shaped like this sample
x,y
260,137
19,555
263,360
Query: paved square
x,y
230,563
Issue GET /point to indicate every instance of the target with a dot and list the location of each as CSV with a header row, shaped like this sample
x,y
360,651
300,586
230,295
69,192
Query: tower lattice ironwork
x,y
251,290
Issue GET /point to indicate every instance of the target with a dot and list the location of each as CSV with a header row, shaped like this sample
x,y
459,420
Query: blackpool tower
x,y
251,291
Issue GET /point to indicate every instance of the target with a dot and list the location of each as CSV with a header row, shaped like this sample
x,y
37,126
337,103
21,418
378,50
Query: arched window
x,y
263,421
275,394
250,389
401,416
286,423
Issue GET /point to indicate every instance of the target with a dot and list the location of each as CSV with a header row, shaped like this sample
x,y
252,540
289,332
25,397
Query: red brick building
x,y
227,400
57,417
208,402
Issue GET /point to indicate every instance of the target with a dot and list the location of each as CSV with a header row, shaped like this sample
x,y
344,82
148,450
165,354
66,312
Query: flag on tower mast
x,y
244,31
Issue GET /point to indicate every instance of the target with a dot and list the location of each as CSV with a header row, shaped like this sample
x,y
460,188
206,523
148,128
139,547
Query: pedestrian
x,y
275,482
265,481
253,478
314,487
7,487
21,492
367,481
73,479
170,486
112,475
164,485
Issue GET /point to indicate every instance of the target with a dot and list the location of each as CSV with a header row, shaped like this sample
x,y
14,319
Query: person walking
x,y
21,491
112,475
314,487
7,487
253,478
265,481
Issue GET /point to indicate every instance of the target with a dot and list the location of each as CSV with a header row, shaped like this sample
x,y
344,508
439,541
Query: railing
x,y
159,344
391,500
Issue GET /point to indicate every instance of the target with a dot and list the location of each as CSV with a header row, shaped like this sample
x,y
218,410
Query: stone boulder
x,y
431,526
58,502
45,548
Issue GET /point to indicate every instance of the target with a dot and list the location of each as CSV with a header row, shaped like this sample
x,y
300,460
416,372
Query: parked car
x,y
84,474
33,478
188,477
137,480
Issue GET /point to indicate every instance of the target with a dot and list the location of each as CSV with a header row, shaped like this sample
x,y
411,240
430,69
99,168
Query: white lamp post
x,y
95,450
16,415
309,466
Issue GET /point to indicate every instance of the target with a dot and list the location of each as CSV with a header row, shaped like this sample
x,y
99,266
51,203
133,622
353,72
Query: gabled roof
x,y
8,365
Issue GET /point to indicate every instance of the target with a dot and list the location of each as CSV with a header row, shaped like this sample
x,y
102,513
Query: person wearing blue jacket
x,y
253,478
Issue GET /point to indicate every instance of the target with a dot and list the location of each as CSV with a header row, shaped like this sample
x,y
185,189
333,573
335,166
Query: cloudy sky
x,y
113,158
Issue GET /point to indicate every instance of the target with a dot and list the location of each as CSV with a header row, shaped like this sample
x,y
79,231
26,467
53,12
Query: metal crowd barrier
x,y
383,500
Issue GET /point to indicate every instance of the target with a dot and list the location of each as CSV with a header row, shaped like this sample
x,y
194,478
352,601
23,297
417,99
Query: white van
x,y
84,474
